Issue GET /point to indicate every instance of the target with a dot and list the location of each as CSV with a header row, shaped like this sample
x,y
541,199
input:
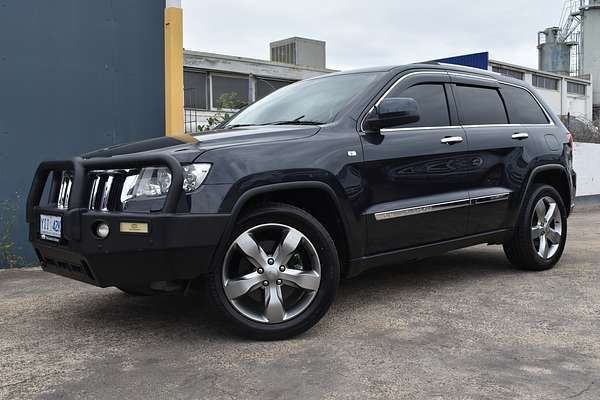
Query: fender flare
x,y
250,193
542,168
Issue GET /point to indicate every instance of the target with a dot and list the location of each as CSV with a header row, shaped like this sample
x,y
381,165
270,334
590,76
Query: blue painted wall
x,y
475,60
75,75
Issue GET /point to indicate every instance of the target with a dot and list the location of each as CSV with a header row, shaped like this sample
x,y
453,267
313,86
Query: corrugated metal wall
x,y
75,75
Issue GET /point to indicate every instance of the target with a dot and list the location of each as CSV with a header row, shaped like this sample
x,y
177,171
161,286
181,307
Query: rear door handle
x,y
520,136
452,140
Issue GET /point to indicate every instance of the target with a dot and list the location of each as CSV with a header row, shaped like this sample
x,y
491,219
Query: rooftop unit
x,y
299,51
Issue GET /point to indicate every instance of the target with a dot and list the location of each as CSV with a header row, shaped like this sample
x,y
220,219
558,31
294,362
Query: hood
x,y
198,143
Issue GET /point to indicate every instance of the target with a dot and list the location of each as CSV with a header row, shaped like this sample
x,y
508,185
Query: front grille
x,y
106,189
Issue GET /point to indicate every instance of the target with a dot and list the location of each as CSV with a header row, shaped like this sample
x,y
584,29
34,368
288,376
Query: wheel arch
x,y
288,192
555,175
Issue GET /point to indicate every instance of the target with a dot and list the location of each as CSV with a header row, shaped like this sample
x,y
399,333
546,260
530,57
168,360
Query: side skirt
x,y
360,265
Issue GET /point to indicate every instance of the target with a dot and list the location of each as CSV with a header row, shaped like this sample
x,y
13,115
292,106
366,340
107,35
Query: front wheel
x,y
541,233
279,274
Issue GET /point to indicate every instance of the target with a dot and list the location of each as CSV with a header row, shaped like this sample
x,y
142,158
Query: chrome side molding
x,y
429,208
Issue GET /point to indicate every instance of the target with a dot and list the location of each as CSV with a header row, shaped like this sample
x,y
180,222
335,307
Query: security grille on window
x,y
576,88
229,92
509,72
265,87
195,90
544,82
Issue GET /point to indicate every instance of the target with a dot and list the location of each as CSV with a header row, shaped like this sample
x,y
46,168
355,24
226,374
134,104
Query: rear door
x,y
498,140
418,191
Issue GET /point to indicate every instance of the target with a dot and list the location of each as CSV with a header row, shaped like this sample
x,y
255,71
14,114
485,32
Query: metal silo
x,y
554,53
590,43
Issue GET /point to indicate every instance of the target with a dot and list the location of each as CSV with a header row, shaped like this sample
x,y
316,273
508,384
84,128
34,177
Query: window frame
x,y
422,77
479,85
454,110
265,78
498,70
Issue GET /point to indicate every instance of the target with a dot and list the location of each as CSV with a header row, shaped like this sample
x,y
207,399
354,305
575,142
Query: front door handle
x,y
520,136
452,140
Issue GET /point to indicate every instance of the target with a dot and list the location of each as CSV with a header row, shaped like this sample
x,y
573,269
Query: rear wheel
x,y
279,275
540,236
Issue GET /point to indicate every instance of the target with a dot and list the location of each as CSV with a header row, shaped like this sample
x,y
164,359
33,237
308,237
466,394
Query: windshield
x,y
313,101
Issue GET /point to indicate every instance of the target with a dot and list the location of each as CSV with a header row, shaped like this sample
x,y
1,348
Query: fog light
x,y
102,230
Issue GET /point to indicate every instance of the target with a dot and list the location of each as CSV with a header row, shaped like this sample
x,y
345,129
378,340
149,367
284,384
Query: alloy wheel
x,y
271,273
546,228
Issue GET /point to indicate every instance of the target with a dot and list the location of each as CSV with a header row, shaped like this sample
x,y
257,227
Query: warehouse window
x,y
522,107
195,89
481,106
509,72
576,88
229,91
265,87
545,82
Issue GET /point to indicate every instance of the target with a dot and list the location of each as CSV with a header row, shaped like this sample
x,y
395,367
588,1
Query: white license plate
x,y
50,227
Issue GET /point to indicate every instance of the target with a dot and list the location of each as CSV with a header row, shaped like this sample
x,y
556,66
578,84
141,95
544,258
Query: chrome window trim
x,y
429,208
468,75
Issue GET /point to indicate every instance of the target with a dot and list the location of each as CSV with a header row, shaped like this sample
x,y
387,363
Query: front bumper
x,y
177,245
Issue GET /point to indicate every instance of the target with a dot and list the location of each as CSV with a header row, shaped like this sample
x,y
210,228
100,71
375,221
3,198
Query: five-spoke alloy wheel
x,y
279,273
539,238
271,273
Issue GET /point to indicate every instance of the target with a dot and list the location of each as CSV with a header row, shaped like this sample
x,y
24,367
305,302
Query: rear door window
x,y
522,107
480,105
433,105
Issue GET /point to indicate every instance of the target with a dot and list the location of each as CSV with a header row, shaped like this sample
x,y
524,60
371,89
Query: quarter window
x,y
522,107
481,106
433,105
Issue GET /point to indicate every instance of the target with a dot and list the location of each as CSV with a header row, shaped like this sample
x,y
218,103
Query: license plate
x,y
50,227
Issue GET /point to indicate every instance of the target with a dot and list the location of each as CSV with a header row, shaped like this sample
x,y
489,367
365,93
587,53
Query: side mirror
x,y
393,112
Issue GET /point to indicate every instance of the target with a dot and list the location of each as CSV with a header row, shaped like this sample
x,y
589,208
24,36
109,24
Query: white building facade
x,y
566,95
208,76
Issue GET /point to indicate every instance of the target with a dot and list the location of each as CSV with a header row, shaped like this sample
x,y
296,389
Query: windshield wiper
x,y
296,121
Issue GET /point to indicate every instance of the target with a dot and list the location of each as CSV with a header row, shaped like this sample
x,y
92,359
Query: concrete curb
x,y
586,202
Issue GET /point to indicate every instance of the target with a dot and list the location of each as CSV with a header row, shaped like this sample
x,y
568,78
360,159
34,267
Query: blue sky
x,y
376,32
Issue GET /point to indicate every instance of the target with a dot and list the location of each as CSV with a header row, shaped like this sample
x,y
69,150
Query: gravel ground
x,y
460,326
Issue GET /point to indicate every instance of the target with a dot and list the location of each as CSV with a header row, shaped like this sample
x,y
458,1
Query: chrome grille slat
x,y
106,193
66,183
94,193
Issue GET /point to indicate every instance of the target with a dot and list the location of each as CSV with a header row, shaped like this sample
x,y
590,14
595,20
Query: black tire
x,y
311,228
520,249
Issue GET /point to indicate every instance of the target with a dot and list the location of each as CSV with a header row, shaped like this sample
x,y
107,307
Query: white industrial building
x,y
567,95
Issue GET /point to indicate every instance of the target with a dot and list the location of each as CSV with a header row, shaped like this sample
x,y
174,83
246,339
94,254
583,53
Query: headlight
x,y
156,181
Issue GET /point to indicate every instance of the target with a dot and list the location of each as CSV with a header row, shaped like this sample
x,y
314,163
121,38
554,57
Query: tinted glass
x,y
522,107
433,106
316,100
480,106
265,87
229,92
195,89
